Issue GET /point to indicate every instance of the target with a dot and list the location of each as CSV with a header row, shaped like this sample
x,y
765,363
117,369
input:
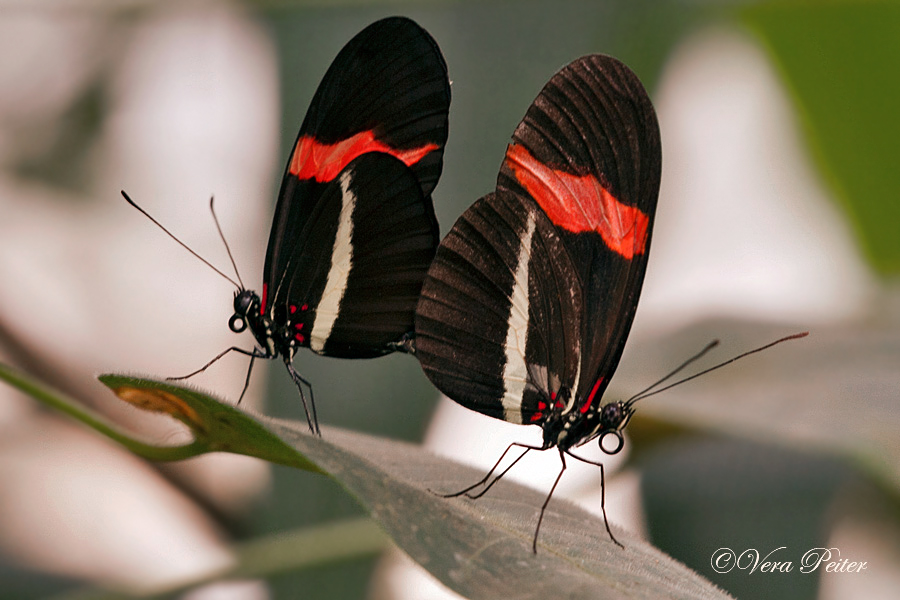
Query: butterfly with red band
x,y
354,228
527,306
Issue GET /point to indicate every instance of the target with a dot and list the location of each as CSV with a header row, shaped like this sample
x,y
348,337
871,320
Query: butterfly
x,y
526,308
528,303
354,229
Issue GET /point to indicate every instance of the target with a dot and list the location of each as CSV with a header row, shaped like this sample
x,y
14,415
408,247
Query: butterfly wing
x,y
495,309
354,276
534,289
588,152
387,90
386,93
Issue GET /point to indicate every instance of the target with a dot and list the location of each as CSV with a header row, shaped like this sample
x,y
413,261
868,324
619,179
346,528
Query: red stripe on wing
x,y
590,399
323,162
580,203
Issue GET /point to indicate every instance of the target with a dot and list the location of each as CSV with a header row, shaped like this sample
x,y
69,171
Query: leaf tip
x,y
159,401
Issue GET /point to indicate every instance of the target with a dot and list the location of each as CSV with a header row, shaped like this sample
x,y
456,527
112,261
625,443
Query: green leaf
x,y
840,62
480,549
216,426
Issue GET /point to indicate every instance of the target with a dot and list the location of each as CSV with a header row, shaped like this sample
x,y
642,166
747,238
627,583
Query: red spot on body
x,y
299,337
559,404
590,398
293,308
299,325
536,417
304,307
580,203
262,305
541,405
322,162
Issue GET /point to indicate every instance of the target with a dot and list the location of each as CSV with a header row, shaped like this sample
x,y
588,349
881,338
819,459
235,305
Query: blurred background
x,y
779,212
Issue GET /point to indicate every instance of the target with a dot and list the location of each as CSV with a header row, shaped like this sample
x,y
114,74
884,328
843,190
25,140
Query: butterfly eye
x,y
612,415
242,303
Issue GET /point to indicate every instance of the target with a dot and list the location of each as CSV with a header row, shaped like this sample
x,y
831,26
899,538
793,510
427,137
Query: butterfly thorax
x,y
279,331
584,422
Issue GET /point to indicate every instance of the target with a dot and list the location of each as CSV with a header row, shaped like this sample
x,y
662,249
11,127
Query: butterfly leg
x,y
247,380
490,473
255,353
310,409
502,473
547,501
602,494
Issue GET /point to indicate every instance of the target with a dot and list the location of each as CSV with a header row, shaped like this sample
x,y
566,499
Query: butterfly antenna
x,y
646,393
224,241
182,244
675,371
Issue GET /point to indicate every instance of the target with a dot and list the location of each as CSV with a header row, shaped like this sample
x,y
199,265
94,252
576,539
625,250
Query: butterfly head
x,y
604,423
246,302
614,416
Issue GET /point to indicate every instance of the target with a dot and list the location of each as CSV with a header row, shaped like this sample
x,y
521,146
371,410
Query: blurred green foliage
x,y
840,61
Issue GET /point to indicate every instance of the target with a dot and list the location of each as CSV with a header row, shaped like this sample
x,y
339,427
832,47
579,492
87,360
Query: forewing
x,y
588,152
497,321
352,282
386,91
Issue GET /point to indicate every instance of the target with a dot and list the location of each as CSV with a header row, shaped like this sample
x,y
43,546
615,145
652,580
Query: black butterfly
x,y
354,228
528,303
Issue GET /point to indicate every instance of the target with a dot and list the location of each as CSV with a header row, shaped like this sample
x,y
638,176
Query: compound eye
x,y
242,303
237,323
618,441
612,415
